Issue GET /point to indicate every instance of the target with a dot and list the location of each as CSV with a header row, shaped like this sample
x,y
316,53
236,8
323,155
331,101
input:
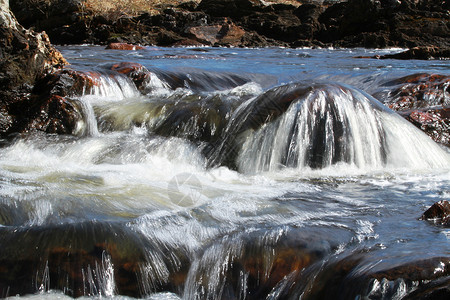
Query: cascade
x,y
197,185
315,126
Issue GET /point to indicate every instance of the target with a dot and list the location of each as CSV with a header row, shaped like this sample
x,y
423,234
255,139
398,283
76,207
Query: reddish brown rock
x,y
434,122
423,99
225,33
54,115
139,74
25,57
440,212
68,83
418,91
123,46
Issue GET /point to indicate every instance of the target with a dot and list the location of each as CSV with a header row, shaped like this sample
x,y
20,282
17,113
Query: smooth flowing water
x,y
237,174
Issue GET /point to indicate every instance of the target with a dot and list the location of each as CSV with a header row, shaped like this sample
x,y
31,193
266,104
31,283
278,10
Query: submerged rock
x,y
303,126
87,259
354,277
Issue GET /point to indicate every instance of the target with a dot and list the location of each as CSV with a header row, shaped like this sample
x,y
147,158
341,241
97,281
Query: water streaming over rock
x,y
224,185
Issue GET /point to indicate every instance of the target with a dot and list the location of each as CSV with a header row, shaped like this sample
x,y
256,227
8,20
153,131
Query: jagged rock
x,y
352,23
25,57
420,90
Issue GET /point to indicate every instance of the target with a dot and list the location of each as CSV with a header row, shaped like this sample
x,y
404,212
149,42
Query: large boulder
x,y
25,56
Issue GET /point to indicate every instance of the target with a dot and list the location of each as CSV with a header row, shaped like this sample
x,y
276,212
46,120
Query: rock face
x,y
353,23
25,56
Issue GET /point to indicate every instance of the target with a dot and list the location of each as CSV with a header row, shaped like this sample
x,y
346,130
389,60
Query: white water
x,y
353,129
232,226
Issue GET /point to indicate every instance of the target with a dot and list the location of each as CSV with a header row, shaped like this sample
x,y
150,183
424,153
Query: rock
x,y
424,53
87,259
353,23
49,106
54,114
434,122
352,277
422,99
420,90
439,212
67,83
136,72
235,9
26,56
225,34
123,46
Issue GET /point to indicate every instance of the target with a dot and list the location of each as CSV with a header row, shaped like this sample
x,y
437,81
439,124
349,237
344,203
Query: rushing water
x,y
240,173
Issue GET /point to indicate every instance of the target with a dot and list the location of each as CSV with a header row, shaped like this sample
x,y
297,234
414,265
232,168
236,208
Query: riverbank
x,y
241,23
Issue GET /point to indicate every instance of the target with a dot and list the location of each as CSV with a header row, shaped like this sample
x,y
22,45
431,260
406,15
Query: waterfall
x,y
316,126
108,87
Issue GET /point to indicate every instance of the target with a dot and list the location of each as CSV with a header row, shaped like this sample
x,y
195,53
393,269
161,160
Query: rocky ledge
x,y
25,56
249,23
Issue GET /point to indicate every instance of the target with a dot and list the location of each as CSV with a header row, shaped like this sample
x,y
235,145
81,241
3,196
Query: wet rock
x,y
54,114
123,46
440,212
422,99
417,91
434,122
67,83
87,259
26,56
136,72
353,277
423,53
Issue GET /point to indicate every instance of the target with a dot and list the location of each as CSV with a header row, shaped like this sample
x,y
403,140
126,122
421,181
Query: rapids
x,y
233,174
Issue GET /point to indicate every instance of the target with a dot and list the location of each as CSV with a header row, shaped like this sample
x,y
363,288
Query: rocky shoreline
x,y
247,23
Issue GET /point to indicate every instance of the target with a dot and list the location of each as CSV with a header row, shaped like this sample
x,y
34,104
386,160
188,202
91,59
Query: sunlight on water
x,y
216,185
